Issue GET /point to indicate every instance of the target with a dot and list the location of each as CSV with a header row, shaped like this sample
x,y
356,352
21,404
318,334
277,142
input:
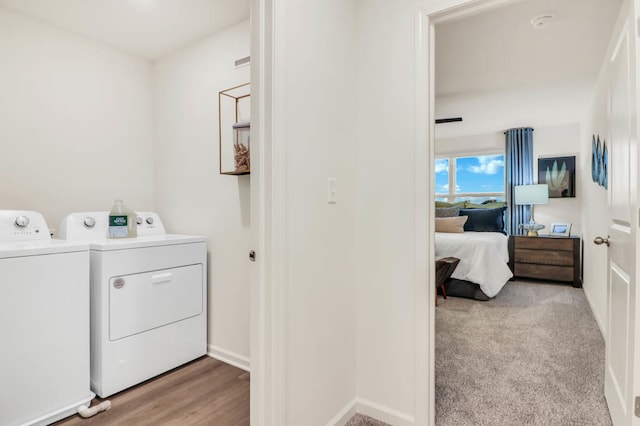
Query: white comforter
x,y
484,258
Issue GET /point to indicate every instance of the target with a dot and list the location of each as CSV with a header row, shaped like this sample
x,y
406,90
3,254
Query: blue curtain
x,y
519,171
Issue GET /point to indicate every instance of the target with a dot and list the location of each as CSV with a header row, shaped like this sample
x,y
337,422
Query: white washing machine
x,y
44,322
148,299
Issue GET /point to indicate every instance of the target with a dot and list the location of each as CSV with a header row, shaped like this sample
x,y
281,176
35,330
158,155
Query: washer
x,y
148,299
44,322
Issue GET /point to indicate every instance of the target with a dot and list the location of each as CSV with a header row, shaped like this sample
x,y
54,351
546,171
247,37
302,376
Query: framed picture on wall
x,y
560,174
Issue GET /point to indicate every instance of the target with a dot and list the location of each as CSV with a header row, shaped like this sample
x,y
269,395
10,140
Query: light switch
x,y
331,190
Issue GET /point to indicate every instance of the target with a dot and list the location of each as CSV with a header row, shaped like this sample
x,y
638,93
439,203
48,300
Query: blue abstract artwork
x,y
599,162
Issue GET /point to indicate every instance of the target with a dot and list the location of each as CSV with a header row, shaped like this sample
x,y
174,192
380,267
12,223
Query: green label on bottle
x,y
118,226
117,220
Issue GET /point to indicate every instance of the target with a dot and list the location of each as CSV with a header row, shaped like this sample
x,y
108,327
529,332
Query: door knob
x,y
600,241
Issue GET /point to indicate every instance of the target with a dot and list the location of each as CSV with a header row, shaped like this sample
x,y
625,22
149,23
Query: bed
x,y
484,258
477,238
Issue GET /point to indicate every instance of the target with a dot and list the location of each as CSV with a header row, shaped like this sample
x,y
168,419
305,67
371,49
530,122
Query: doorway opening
x,y
490,103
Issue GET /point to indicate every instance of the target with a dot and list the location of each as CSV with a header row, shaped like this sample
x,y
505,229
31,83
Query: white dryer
x,y
148,299
44,322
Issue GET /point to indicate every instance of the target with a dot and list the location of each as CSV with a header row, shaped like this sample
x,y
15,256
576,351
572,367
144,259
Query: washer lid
x,y
141,242
38,248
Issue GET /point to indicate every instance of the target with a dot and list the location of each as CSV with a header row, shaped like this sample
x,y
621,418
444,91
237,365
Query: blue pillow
x,y
484,220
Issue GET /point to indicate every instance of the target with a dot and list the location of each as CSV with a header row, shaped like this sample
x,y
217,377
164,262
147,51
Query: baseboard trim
x,y
385,414
371,409
345,414
587,294
229,357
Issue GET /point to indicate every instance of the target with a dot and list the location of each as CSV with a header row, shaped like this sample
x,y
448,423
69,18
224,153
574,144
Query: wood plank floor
x,y
203,392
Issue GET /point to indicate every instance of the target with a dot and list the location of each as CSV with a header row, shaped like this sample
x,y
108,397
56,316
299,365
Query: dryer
x,y
44,322
148,299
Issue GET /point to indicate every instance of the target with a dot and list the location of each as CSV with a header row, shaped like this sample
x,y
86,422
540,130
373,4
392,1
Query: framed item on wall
x,y
595,160
600,162
560,174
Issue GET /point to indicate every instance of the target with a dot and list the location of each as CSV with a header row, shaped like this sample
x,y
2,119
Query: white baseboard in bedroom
x,y
229,357
595,313
344,415
371,409
385,414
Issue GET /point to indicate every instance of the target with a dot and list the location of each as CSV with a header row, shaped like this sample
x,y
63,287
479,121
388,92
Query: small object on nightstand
x,y
560,229
531,228
531,195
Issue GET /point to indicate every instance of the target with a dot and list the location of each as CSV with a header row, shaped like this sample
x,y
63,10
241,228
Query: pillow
x,y
485,205
447,211
452,225
484,220
446,204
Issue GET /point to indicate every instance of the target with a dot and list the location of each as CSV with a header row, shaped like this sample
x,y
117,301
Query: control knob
x,y
21,221
150,220
89,222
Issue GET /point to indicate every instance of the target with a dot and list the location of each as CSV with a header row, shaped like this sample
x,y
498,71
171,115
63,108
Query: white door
x,y
621,282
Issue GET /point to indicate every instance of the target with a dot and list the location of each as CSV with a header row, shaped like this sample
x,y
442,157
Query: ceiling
x,y
501,51
146,28
488,52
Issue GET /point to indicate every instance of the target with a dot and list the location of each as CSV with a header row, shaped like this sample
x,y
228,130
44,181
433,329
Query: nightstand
x,y
546,258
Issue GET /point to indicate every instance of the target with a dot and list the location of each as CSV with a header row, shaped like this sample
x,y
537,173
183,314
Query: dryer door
x,y
141,302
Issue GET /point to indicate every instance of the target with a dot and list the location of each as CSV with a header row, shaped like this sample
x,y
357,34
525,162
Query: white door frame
x,y
267,322
436,11
268,206
439,11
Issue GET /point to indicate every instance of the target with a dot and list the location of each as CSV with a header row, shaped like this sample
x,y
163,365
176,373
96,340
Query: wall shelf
x,y
236,173
234,108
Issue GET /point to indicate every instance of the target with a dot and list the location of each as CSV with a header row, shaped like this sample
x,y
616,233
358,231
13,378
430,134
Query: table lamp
x,y
532,195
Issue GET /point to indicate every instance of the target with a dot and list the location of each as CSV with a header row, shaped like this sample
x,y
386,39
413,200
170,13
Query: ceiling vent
x,y
543,21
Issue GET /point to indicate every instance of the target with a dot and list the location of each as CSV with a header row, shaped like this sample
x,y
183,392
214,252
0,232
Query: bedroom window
x,y
476,178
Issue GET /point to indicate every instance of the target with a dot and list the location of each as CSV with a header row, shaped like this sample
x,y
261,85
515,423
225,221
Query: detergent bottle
x,y
122,221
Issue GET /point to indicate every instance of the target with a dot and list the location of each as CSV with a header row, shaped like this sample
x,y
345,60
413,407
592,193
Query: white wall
x,y
191,196
315,81
385,208
560,141
594,205
76,122
522,107
471,144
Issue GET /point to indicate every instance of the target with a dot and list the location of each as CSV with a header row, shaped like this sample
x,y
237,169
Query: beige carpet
x,y
362,420
533,355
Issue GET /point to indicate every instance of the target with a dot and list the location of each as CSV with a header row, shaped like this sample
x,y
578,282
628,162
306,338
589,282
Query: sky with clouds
x,y
473,174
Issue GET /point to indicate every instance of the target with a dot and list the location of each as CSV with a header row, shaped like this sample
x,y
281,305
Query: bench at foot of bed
x,y
444,268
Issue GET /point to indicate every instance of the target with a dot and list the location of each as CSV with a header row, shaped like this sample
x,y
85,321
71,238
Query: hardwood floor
x,y
203,392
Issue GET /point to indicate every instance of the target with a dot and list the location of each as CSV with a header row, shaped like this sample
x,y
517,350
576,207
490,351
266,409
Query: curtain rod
x,y
519,128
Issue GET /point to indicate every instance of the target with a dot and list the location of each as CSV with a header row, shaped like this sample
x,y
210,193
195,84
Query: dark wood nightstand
x,y
546,258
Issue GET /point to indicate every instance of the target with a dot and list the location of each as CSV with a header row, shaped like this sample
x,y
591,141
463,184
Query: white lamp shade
x,y
532,194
